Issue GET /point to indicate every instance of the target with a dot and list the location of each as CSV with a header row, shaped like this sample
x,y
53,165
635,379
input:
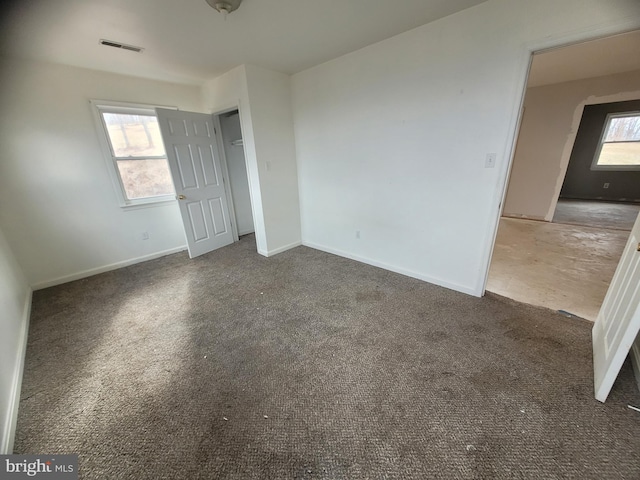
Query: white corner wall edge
x,y
402,271
9,433
275,251
635,359
106,268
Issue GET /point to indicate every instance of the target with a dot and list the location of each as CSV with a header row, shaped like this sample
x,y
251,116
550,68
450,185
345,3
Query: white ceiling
x,y
187,41
617,54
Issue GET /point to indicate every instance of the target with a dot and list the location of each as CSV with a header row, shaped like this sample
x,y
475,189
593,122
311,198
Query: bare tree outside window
x,y
623,129
138,152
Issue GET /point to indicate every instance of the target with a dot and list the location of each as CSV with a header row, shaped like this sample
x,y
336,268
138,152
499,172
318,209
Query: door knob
x,y
181,197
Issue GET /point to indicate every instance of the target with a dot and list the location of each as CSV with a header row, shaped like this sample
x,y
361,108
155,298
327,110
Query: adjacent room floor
x,y
565,265
609,215
307,365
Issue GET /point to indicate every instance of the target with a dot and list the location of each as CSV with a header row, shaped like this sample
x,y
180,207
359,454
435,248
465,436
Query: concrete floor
x,y
559,266
618,216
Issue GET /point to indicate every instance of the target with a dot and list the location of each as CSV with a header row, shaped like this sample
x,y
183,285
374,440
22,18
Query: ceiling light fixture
x,y
225,6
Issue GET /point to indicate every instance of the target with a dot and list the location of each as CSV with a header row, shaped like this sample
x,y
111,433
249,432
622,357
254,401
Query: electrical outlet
x,y
145,235
490,160
606,185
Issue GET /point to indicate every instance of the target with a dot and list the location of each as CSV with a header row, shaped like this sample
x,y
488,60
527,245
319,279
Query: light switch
x,y
490,160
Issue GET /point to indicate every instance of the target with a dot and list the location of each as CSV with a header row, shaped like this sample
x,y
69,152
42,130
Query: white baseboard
x,y
393,268
9,433
635,359
105,268
275,251
522,216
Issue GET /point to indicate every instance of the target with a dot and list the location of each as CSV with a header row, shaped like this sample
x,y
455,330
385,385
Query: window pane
x,y
134,135
623,129
620,153
145,178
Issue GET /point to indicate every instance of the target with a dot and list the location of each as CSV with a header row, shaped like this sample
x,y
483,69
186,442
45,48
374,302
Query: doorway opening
x,y
233,152
555,248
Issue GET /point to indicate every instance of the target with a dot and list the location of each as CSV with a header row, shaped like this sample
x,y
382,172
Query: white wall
x,y
391,139
58,205
263,98
15,301
270,102
227,92
547,133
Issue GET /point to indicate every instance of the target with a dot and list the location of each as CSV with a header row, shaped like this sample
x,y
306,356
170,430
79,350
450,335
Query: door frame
x,y
517,112
218,123
225,173
254,183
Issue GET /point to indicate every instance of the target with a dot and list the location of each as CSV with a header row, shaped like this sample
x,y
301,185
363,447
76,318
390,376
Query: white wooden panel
x,y
618,321
192,154
208,164
186,167
217,214
202,128
198,221
177,128
623,305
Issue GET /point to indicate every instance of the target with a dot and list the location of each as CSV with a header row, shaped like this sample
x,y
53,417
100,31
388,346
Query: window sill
x,y
165,201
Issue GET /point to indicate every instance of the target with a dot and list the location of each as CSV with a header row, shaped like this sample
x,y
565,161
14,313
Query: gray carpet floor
x,y
307,365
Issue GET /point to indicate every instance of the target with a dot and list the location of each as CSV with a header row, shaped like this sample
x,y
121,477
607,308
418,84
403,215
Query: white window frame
x,y
601,142
107,106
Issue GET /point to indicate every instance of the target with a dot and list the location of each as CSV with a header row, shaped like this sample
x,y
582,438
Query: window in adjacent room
x,y
138,161
619,147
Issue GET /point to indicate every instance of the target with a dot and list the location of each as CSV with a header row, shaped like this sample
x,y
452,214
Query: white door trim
x,y
250,159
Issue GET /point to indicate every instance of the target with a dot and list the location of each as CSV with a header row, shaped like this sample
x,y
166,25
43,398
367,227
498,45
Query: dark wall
x,y
581,181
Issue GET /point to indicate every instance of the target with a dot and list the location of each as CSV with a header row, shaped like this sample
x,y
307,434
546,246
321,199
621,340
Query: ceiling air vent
x,y
123,46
